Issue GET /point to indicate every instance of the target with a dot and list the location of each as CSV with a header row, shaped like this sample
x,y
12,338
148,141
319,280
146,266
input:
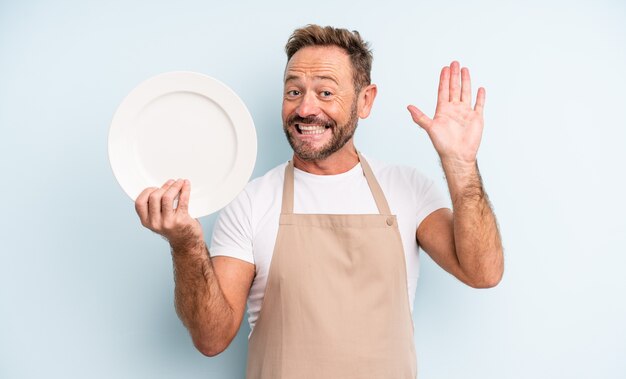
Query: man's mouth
x,y
310,129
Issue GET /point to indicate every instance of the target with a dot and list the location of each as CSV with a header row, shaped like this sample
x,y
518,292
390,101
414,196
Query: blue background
x,y
86,292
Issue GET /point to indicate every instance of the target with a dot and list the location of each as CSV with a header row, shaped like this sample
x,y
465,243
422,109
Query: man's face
x,y
319,102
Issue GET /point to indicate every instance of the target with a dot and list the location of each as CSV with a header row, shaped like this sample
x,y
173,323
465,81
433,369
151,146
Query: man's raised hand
x,y
456,128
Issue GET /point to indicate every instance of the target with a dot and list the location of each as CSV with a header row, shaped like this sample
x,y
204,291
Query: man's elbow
x,y
487,280
212,343
485,283
210,349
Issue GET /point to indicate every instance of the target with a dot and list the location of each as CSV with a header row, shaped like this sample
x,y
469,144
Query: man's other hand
x,y
155,207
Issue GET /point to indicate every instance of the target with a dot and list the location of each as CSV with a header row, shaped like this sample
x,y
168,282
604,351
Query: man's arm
x,y
467,242
210,294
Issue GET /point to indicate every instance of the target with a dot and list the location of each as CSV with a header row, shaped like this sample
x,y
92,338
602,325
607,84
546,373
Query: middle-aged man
x,y
324,248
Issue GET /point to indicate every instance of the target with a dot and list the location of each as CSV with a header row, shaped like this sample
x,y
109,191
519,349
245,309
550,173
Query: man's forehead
x,y
320,62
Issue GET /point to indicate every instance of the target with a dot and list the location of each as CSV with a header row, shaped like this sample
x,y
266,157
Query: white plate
x,y
184,125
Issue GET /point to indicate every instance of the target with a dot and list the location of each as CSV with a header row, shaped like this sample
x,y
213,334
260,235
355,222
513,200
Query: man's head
x,y
327,88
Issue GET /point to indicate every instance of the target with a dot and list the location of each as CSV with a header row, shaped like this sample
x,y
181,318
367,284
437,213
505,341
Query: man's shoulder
x,y
407,187
259,195
396,173
269,181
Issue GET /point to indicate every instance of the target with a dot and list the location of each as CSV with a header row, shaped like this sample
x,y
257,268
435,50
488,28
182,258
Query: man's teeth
x,y
311,129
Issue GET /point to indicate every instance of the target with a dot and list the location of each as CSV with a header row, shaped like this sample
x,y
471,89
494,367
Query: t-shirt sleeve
x,y
429,197
232,233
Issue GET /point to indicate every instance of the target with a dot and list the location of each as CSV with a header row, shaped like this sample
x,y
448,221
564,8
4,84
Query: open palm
x,y
456,128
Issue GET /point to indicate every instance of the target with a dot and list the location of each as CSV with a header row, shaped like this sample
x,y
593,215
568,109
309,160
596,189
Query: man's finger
x,y
154,203
480,100
419,117
443,94
466,86
141,203
183,199
167,201
455,82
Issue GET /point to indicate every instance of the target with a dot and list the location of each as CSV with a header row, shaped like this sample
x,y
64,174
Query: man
x,y
324,248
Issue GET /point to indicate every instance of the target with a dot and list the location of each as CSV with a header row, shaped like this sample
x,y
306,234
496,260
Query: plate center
x,y
185,135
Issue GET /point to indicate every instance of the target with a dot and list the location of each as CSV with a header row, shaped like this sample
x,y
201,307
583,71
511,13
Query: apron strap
x,y
287,207
377,192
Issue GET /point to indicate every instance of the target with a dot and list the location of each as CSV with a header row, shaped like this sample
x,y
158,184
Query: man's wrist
x,y
463,178
186,242
459,169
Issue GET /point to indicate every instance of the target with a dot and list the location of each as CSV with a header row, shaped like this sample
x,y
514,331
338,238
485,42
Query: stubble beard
x,y
340,135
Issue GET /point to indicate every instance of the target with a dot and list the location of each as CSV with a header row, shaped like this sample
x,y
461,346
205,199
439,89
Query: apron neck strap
x,y
287,207
377,192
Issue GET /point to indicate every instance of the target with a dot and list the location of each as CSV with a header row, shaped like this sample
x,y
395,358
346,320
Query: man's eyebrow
x,y
322,77
327,78
291,77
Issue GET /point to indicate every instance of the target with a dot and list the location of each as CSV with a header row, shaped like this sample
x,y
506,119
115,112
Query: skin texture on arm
x,y
465,242
210,293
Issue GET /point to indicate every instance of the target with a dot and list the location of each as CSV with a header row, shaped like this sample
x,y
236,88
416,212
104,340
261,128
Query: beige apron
x,y
336,304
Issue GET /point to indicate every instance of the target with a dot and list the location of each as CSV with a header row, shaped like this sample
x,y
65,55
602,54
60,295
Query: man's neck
x,y
337,163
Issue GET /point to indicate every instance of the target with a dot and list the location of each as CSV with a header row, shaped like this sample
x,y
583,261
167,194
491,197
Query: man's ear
x,y
366,100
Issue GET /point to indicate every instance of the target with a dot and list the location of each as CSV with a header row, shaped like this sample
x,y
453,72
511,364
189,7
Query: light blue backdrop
x,y
86,292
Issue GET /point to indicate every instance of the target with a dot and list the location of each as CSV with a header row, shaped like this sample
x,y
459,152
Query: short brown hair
x,y
358,50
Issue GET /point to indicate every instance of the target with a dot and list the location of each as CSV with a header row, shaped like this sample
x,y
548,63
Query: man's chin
x,y
309,155
306,151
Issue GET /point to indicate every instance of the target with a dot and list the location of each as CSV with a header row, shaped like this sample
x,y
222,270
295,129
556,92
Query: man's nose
x,y
308,106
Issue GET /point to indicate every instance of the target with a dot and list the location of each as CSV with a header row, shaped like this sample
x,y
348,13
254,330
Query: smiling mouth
x,y
311,129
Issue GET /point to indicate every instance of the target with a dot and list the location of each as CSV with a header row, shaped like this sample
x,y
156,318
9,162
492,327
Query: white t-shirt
x,y
247,228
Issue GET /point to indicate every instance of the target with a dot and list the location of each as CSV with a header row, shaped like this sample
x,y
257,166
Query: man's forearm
x,y
200,302
476,236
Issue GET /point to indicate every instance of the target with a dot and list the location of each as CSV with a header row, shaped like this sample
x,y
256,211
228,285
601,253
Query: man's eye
x,y
326,93
293,92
